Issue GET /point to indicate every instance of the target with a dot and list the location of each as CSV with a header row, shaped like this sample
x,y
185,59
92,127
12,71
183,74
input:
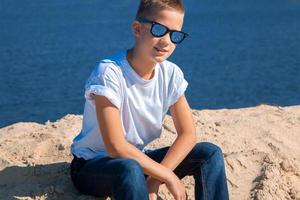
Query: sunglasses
x,y
159,30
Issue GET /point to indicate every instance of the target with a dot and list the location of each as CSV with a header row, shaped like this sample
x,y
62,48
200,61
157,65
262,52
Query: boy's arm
x,y
186,140
117,146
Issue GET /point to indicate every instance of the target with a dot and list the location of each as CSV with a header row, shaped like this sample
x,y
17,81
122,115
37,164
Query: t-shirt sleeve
x,y
177,87
103,81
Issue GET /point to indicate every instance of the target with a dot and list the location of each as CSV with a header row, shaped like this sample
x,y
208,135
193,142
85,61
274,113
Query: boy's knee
x,y
216,155
209,150
215,148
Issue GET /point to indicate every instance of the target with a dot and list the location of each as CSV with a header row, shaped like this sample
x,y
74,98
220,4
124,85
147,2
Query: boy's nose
x,y
166,39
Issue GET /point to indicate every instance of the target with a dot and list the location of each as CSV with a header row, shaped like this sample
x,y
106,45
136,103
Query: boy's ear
x,y
136,28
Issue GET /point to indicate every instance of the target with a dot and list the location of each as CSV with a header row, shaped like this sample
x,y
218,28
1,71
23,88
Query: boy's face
x,y
158,49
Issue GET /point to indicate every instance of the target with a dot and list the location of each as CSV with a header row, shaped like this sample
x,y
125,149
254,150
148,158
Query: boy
x,y
127,97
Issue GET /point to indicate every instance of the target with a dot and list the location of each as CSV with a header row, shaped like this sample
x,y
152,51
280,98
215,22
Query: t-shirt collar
x,y
132,74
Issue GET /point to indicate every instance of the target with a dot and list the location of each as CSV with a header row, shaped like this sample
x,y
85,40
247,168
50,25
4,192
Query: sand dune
x,y
260,145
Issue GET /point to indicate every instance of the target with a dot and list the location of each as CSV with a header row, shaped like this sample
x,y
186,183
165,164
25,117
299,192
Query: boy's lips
x,y
160,50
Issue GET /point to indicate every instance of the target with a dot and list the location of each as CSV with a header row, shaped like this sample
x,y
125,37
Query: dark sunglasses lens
x,y
158,30
177,37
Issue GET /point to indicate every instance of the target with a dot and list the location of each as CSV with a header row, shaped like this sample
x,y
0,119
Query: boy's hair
x,y
148,7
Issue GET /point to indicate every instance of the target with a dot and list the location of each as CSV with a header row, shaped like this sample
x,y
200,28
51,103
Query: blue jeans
x,y
124,179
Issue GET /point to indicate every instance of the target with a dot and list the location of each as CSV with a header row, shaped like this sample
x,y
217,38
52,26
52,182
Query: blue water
x,y
239,53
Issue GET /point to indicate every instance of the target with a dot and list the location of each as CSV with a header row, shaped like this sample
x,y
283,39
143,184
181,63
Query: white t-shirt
x,y
143,104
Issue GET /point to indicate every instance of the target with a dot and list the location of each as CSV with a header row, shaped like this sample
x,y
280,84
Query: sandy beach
x,y
260,146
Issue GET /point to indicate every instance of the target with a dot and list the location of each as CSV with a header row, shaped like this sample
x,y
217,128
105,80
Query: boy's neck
x,y
144,68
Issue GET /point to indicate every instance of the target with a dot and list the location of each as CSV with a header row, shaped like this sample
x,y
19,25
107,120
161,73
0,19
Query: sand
x,y
260,146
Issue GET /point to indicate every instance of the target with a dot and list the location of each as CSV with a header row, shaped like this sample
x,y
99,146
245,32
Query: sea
x,y
238,54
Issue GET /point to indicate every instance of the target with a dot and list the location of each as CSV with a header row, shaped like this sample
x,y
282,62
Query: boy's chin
x,y
159,59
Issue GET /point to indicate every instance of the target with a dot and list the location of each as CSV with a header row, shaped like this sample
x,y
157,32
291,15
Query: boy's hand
x,y
176,187
153,187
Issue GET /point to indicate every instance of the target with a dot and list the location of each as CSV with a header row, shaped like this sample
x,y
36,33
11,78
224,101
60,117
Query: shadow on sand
x,y
50,181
